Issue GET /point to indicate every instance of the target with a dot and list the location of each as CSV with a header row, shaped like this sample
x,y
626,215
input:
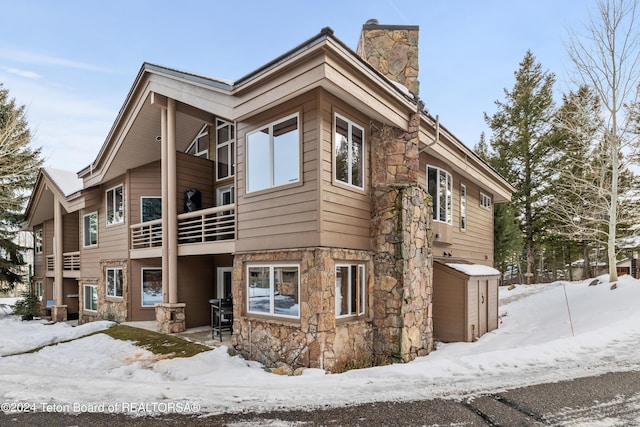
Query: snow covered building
x,y
314,191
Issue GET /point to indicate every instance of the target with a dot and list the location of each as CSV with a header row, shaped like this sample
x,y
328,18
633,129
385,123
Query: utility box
x,y
465,300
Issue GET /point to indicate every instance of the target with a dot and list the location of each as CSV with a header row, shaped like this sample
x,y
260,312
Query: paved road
x,y
610,399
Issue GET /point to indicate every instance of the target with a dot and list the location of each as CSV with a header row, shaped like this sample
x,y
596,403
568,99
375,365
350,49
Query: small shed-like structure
x,y
465,300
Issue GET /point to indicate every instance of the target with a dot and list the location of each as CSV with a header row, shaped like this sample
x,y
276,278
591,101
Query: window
x,y
114,282
349,152
225,275
463,207
90,297
151,286
39,289
225,138
90,229
38,241
485,201
440,185
273,155
115,205
200,145
274,290
350,290
150,208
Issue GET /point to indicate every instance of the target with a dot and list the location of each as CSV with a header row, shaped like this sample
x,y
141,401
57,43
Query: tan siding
x,y
448,306
345,212
476,243
71,232
197,173
286,216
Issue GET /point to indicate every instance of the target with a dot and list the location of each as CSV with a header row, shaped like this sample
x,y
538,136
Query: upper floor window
x,y
113,281
273,155
350,290
150,208
200,145
440,185
90,229
225,139
115,205
485,201
349,152
38,241
463,207
274,290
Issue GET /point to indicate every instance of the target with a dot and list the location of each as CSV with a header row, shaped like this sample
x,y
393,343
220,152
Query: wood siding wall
x,y
476,243
285,216
345,211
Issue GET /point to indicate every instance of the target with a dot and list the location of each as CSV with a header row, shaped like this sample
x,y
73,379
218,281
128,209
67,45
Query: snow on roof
x,y
67,182
474,269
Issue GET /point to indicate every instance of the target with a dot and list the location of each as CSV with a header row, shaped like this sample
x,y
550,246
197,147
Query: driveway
x,y
610,399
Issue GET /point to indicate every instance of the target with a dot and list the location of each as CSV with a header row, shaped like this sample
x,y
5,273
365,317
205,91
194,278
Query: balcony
x,y
70,264
205,231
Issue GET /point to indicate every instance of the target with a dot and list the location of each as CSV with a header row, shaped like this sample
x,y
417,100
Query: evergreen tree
x,y
520,144
19,165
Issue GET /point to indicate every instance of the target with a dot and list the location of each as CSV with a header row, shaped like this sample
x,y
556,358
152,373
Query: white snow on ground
x,y
534,344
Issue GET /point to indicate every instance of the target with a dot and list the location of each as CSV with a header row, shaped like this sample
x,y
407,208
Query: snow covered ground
x,y
533,344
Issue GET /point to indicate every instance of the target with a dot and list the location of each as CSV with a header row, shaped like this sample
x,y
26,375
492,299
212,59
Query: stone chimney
x,y
393,51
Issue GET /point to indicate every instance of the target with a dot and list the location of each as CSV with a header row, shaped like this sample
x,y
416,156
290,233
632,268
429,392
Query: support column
x,y
170,314
59,310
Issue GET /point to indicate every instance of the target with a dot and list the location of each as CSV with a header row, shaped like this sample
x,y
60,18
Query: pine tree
x,y
19,165
520,142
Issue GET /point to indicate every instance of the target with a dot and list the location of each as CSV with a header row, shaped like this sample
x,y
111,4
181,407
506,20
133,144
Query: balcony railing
x,y
206,225
70,261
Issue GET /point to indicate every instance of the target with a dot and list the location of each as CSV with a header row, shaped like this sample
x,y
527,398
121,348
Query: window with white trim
x,y
273,155
485,201
350,290
349,152
440,186
90,229
463,207
115,205
151,286
37,239
90,297
225,146
39,289
113,279
274,290
199,147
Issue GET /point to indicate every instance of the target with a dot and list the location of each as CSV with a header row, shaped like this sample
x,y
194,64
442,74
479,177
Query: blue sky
x,y
72,63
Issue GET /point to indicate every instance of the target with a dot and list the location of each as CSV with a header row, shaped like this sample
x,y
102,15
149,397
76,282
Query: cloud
x,y
24,73
35,58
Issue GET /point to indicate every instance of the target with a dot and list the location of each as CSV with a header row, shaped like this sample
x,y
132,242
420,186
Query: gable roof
x,y
52,184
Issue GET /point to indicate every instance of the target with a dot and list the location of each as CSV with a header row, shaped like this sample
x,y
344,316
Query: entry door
x,y
224,282
483,292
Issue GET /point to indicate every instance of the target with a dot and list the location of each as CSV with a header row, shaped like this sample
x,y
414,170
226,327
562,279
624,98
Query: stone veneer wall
x,y
393,51
317,339
110,308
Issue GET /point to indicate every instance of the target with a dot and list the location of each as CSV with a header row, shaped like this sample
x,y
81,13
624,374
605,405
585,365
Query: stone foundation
x,y
317,339
171,317
59,313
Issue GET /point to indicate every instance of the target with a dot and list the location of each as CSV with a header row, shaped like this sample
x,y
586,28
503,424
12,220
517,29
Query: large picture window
x,y
274,290
440,185
225,139
90,229
150,208
273,155
350,290
90,297
151,286
349,152
115,205
113,279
